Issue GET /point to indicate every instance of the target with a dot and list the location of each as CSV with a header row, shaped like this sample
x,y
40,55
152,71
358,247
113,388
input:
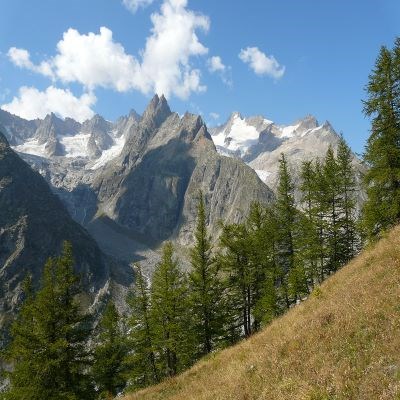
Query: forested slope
x,y
341,343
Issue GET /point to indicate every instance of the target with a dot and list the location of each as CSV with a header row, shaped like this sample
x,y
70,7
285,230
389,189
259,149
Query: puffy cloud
x,y
215,64
165,67
21,58
94,60
134,5
32,103
260,63
97,60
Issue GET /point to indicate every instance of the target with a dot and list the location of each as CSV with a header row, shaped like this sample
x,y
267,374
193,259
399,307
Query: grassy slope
x,y
342,343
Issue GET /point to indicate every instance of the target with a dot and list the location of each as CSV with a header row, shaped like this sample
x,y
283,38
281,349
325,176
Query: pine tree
x,y
332,209
309,253
170,315
108,367
235,261
264,228
205,287
382,152
141,361
49,339
347,189
287,227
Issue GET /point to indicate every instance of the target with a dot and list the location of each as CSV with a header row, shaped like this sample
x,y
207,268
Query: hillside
x,y
342,343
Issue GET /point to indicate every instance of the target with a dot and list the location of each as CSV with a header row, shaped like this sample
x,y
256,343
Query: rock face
x,y
151,189
16,129
135,183
260,142
33,225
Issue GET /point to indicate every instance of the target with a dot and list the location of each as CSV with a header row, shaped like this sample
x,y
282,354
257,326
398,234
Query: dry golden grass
x,y
341,343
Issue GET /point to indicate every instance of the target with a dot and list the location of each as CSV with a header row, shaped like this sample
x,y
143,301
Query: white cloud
x,y
32,103
134,5
214,115
215,64
260,63
97,60
166,67
94,60
21,58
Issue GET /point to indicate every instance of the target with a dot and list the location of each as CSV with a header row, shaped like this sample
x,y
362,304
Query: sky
x,y
280,59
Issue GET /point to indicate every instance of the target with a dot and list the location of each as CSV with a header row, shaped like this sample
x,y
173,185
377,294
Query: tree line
x,y
253,273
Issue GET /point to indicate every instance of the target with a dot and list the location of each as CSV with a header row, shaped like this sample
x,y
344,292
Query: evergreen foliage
x,y
170,315
49,339
382,152
205,289
141,360
109,354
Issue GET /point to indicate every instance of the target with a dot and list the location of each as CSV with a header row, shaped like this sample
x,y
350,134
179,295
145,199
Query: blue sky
x,y
280,59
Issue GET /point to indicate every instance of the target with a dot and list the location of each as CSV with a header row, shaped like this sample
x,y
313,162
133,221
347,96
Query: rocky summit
x,y
259,142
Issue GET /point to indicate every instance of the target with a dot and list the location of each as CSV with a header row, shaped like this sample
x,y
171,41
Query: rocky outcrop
x,y
33,225
16,129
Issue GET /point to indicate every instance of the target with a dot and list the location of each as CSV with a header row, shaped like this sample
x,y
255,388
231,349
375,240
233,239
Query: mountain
x,y
33,225
152,187
260,142
134,183
341,343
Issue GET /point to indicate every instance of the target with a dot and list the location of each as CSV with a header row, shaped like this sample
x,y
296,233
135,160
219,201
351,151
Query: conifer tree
x,y
265,247
332,209
141,360
347,188
287,228
170,315
309,252
235,260
205,287
108,367
382,152
49,339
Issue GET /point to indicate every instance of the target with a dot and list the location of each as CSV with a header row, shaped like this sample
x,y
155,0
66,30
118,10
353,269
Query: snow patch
x,y
288,131
242,135
32,146
75,146
109,154
219,139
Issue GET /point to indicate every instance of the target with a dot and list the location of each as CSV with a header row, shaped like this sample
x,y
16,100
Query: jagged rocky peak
x,y
307,123
191,125
157,111
53,127
134,115
97,124
17,129
329,128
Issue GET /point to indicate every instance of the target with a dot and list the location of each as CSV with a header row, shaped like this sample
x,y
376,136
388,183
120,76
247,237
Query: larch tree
x,y
109,354
141,360
205,295
49,339
382,152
